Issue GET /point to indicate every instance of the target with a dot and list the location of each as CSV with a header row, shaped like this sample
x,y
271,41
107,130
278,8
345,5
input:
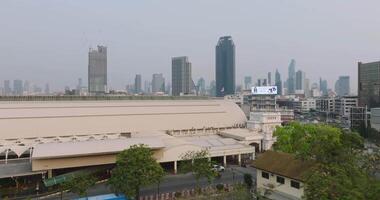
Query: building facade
x,y
182,82
278,82
225,67
375,118
369,84
342,86
138,84
18,87
247,82
323,87
300,80
281,175
201,87
97,70
7,87
291,77
158,83
308,104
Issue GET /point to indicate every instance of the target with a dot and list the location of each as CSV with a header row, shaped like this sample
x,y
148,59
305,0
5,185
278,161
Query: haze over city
x,y
48,41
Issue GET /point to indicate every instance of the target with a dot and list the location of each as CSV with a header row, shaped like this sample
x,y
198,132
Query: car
x,y
218,168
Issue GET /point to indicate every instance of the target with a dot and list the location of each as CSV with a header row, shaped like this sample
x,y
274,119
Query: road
x,y
171,183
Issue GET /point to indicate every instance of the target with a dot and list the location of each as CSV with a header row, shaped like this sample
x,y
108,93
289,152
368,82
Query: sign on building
x,y
264,90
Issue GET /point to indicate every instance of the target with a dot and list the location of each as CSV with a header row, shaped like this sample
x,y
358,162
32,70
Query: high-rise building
x,y
265,83
27,88
291,77
147,87
97,70
307,87
269,78
212,88
225,66
138,83
247,82
259,83
18,87
323,87
201,86
158,83
342,86
182,82
278,82
369,84
7,87
300,80
47,89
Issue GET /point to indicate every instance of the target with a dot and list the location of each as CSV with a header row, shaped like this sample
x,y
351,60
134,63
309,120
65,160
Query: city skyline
x,y
54,49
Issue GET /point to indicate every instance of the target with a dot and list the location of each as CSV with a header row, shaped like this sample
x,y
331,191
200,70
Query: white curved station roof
x,y
60,118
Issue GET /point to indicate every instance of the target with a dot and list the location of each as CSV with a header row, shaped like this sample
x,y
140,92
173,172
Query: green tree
x,y
135,168
79,184
248,180
341,166
199,164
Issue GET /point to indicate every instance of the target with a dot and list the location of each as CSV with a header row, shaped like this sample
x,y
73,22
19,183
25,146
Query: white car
x,y
218,168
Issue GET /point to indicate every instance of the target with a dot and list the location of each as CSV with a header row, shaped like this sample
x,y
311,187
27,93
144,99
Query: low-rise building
x,y
308,104
282,174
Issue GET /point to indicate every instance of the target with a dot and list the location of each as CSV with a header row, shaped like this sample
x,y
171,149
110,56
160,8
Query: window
x,y
295,184
280,179
265,175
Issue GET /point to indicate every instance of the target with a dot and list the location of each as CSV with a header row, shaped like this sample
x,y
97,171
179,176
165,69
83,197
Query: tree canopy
x,y
79,184
342,169
135,168
199,164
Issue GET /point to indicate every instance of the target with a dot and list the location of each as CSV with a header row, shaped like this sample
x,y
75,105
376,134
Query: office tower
x,y
7,88
278,82
97,70
259,82
212,89
158,83
369,84
265,83
26,88
138,83
47,89
147,87
182,82
323,87
80,84
247,82
168,88
307,87
225,66
18,87
291,77
269,78
300,80
342,86
201,86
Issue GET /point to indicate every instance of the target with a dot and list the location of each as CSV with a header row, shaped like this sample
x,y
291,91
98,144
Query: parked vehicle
x,y
218,168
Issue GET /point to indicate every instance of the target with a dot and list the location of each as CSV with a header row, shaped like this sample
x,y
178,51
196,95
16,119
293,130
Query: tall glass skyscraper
x,y
342,86
278,82
291,77
182,82
97,70
225,66
369,84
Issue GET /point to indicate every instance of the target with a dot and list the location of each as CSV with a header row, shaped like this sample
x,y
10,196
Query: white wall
x,y
285,188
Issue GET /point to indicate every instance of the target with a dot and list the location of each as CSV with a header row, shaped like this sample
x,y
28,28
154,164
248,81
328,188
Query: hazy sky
x,y
48,41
